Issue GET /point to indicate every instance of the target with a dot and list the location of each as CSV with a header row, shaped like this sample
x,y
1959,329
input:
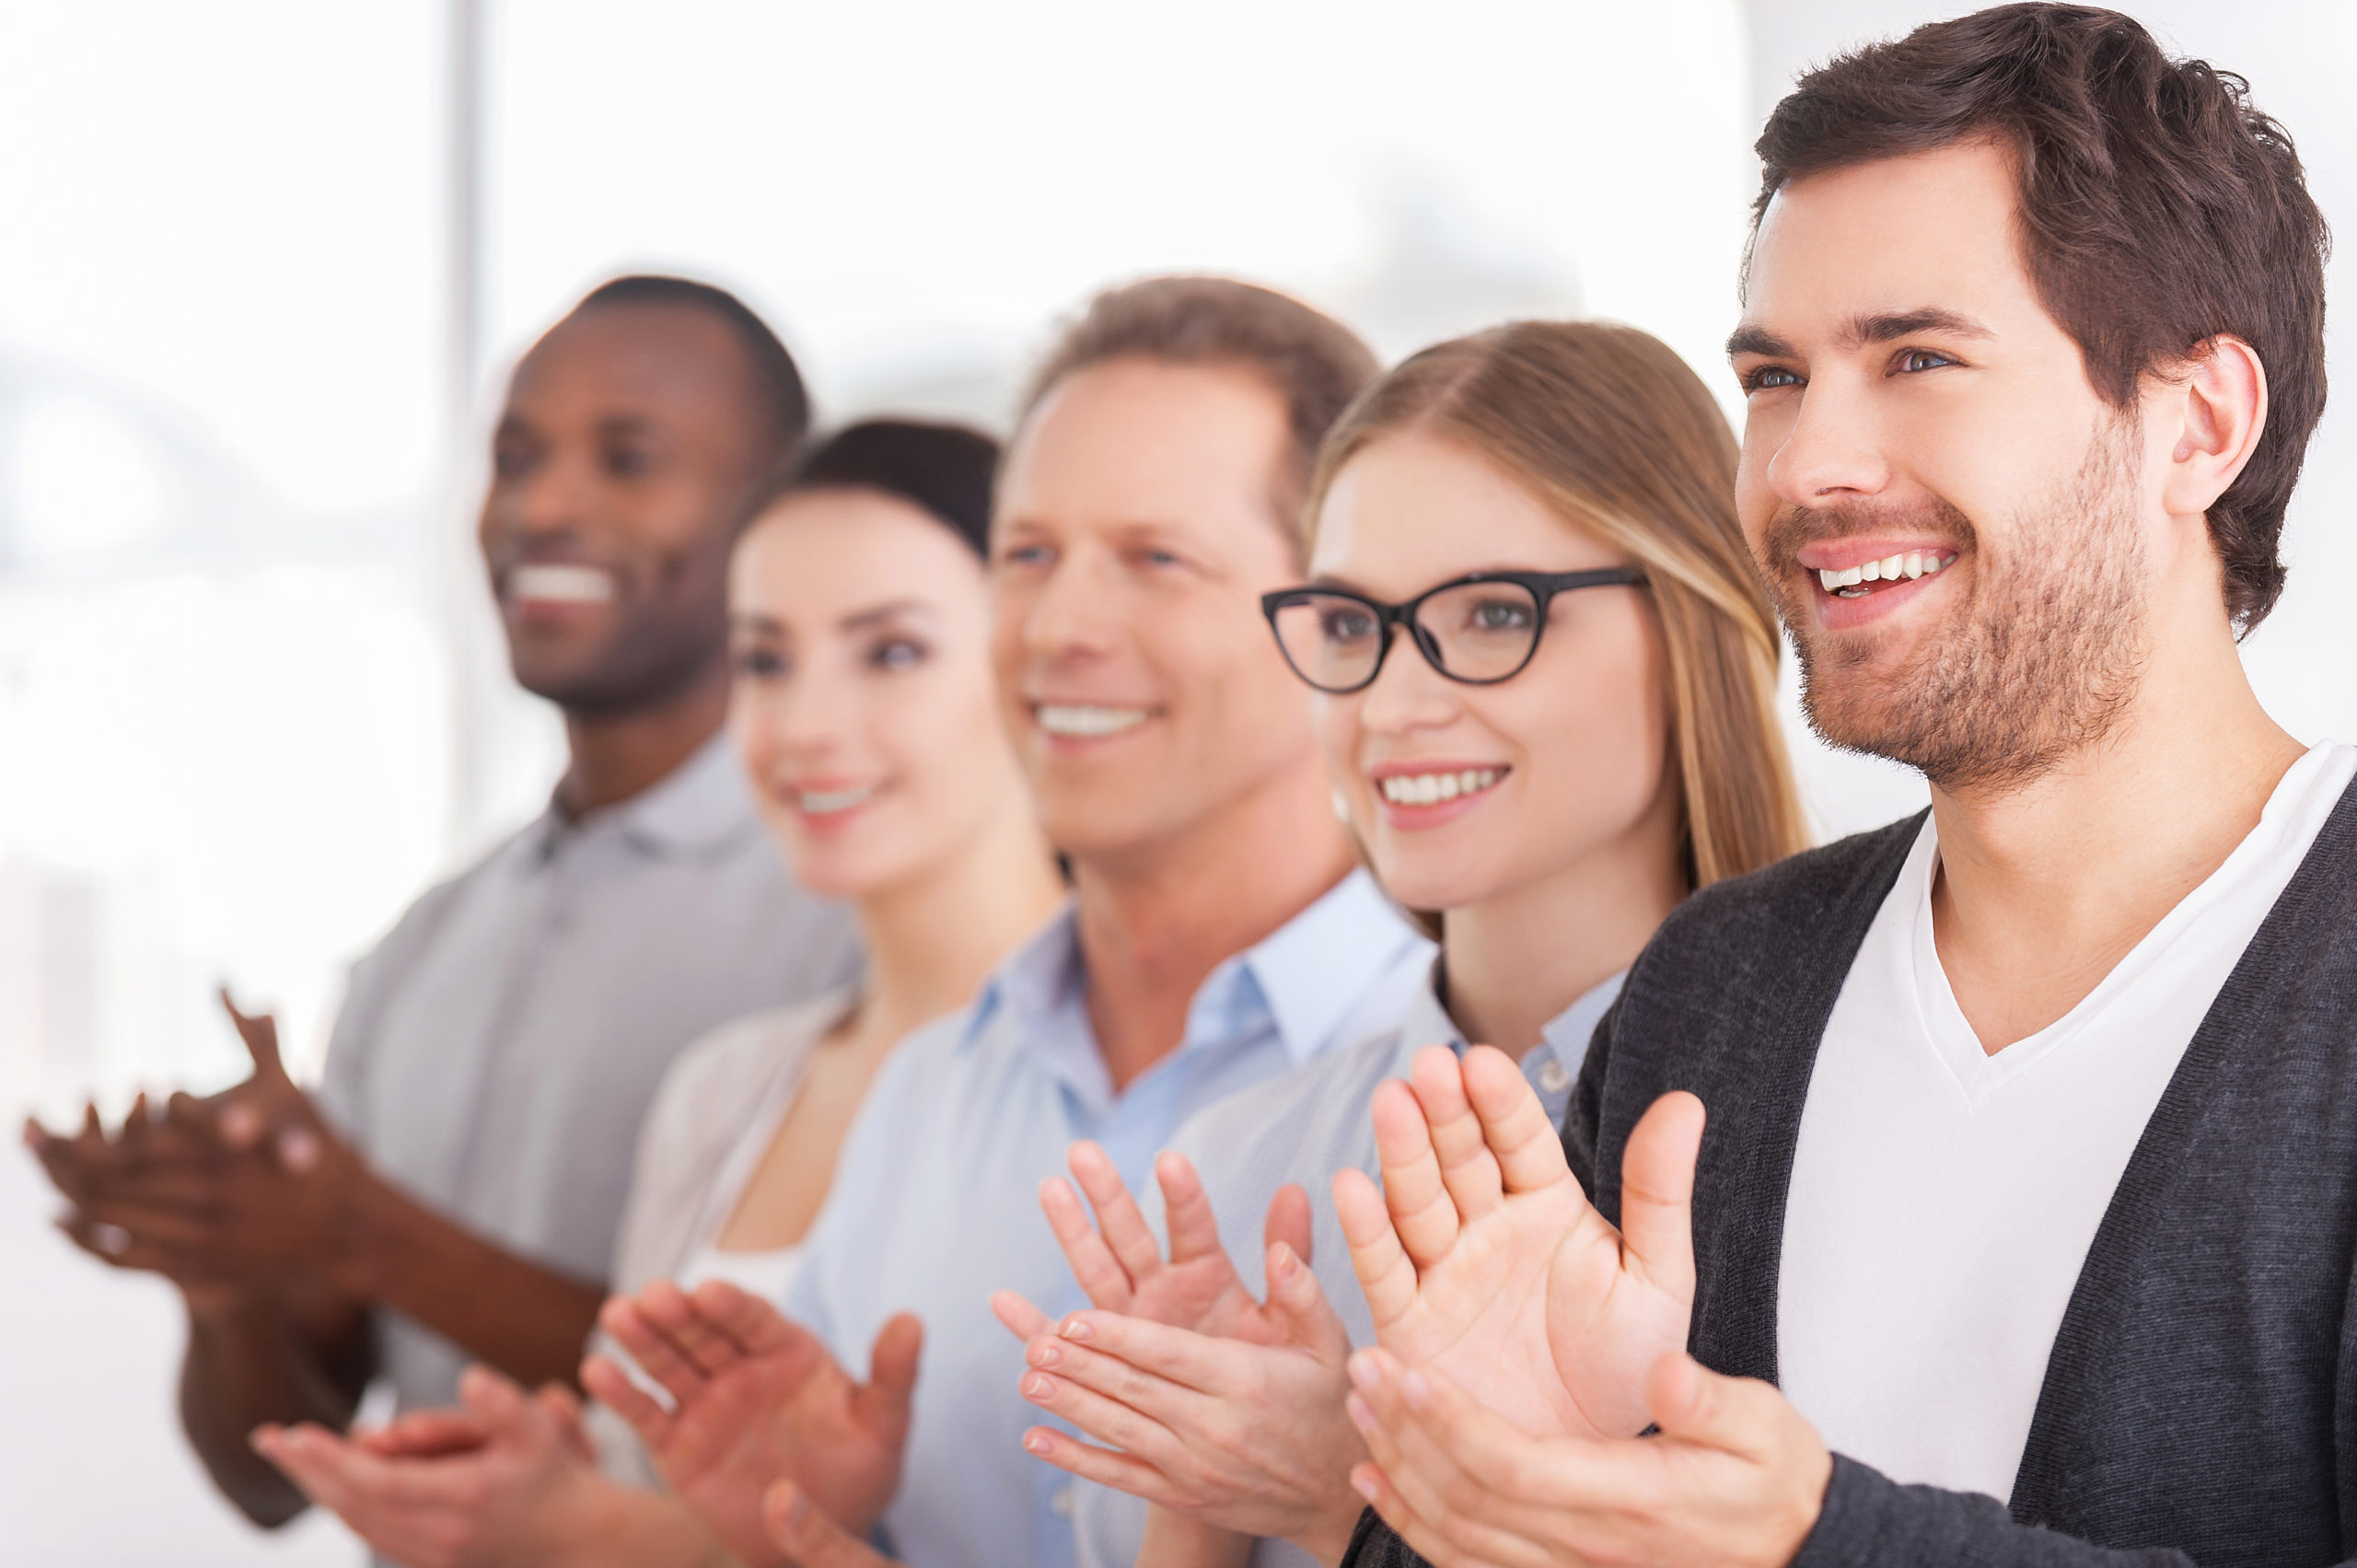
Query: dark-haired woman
x,y
863,710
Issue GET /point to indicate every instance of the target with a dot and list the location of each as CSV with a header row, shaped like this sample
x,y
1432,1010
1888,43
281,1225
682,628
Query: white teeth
x,y
1889,569
1430,789
1061,719
818,802
561,584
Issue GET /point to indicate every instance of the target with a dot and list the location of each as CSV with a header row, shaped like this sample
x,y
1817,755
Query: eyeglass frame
x,y
1542,587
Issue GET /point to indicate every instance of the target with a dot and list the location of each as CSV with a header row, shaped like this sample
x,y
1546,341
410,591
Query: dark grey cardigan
x,y
2200,1402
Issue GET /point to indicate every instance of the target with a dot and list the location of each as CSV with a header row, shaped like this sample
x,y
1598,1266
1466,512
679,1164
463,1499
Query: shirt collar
x,y
1315,967
1304,976
700,806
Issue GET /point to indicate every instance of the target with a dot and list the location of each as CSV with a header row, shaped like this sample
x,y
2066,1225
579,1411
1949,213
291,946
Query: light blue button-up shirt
x,y
1302,1128
935,1199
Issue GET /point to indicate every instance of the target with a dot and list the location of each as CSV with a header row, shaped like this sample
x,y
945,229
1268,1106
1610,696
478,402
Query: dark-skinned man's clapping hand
x,y
247,1190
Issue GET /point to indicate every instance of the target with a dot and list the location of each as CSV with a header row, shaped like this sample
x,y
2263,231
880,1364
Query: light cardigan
x,y
730,1087
2199,1406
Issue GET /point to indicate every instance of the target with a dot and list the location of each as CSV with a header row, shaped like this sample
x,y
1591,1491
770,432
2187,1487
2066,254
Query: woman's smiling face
x,y
1462,793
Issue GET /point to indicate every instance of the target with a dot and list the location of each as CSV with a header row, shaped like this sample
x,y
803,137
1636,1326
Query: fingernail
x,y
1364,1374
1361,1416
798,1511
1040,1388
1047,1354
1286,1262
1036,1442
1416,1388
1079,1329
1364,1485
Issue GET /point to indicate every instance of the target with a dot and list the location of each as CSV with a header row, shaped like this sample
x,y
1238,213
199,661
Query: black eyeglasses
x,y
1479,629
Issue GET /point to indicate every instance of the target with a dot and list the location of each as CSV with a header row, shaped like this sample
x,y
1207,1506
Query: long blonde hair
x,y
1608,424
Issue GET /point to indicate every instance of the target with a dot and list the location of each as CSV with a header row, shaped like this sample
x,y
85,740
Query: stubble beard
x,y
2039,660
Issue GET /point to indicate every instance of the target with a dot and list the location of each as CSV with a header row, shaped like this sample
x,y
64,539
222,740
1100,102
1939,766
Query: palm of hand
x,y
1532,1312
787,1413
1205,1294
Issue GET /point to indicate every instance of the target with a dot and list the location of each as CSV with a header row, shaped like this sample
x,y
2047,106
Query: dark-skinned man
x,y
454,1193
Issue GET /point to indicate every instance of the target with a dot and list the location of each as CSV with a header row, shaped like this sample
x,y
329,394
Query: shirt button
x,y
1061,1503
1553,1076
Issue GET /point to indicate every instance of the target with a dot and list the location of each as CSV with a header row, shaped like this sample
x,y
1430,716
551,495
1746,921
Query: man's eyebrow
x,y
1760,341
614,426
1889,326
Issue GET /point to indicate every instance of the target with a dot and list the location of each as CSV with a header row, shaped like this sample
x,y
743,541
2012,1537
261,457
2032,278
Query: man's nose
x,y
1834,449
1074,609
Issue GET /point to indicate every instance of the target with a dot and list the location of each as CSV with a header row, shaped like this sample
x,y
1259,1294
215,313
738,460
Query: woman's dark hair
x,y
944,470
2158,209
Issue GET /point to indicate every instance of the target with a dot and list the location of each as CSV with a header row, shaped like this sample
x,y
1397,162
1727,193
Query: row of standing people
x,y
1040,721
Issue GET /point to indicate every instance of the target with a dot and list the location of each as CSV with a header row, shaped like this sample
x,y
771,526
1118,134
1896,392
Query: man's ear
x,y
2217,406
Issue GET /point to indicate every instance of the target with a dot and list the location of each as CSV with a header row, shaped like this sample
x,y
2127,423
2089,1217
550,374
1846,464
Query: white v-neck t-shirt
x,y
1943,1200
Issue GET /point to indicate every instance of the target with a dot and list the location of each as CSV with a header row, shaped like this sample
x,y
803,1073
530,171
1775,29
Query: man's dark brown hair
x,y
1310,360
2158,209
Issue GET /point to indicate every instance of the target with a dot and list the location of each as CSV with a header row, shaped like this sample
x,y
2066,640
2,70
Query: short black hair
x,y
775,376
944,470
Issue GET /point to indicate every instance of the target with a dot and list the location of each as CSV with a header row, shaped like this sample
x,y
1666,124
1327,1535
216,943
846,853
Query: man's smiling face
x,y
1951,519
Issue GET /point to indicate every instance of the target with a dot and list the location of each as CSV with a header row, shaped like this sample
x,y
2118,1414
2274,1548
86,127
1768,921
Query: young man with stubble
x,y
2023,1222
453,1191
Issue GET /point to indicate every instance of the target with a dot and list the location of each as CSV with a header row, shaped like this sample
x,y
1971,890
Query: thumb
x,y
1692,1404
798,1527
261,1034
892,1374
1310,1321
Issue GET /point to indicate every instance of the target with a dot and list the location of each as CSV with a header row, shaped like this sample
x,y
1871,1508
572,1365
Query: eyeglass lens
x,y
1473,630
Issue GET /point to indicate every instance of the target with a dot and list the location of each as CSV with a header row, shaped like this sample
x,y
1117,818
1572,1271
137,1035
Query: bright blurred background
x,y
269,262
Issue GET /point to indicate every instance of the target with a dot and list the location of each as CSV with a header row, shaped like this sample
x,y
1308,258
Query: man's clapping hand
x,y
756,1399
1481,1257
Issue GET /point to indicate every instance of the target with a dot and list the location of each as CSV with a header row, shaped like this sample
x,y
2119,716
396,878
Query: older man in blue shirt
x,y
1219,934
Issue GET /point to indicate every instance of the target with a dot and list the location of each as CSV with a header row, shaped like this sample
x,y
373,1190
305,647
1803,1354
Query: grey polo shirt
x,y
495,1055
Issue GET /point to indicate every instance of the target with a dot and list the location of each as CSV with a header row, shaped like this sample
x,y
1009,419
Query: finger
x,y
1527,1147
1289,1221
1102,1276
560,1403
808,1537
1657,1193
749,1324
1021,1318
1386,1274
1467,1168
156,1224
1109,1420
495,1400
612,1388
883,1401
1177,1405
1432,1542
1200,1361
652,1347
423,1434
1310,1320
1118,1215
1124,1472
1186,1210
260,1033
1452,1506
695,1334
1423,1213
119,1249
